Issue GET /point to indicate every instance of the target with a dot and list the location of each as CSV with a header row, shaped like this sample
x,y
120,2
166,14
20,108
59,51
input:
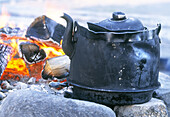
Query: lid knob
x,y
118,16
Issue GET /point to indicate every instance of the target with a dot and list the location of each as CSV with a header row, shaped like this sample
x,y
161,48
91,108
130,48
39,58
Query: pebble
x,y
32,80
5,85
2,95
58,84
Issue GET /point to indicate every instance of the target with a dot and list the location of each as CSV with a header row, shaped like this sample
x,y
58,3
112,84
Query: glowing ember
x,y
15,68
51,49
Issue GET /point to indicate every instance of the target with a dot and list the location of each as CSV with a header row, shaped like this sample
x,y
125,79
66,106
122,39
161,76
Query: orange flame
x,y
17,66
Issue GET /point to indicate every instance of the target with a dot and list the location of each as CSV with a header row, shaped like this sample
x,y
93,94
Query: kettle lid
x,y
118,23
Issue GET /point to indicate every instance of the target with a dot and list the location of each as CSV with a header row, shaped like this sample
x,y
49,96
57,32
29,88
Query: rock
x,y
32,80
29,103
58,84
45,88
153,108
165,84
2,95
21,85
164,91
68,94
4,90
5,85
36,88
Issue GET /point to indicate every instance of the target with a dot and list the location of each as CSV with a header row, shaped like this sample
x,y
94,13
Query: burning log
x,y
5,52
32,53
28,55
45,28
56,67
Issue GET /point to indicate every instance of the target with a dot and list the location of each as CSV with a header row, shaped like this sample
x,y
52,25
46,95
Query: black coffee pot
x,y
113,62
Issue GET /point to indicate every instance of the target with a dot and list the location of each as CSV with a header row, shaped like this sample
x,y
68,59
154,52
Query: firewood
x,y
56,67
44,28
5,52
32,53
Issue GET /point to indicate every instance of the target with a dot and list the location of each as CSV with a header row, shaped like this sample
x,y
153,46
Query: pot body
x,y
115,63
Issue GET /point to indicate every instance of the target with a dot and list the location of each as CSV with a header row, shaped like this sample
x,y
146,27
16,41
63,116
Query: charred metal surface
x,y
118,23
67,44
102,64
112,98
119,66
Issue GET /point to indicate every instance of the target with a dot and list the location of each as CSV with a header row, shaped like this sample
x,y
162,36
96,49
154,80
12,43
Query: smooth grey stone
x,y
31,103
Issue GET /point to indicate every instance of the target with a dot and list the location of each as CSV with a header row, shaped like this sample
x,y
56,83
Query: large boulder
x,y
163,92
153,108
165,86
31,103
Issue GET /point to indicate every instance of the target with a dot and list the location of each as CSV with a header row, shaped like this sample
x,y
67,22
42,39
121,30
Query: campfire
x,y
27,57
128,65
114,62
35,52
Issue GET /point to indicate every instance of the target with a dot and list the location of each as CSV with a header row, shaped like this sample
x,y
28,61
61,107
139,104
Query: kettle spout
x,y
67,44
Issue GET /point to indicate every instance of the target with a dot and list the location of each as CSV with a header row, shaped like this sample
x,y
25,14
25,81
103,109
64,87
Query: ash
x,y
48,86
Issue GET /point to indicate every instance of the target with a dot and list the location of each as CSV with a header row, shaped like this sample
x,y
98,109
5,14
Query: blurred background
x,y
21,13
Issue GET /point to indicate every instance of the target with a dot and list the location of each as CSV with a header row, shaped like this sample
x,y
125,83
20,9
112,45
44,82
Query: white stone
x,y
32,80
